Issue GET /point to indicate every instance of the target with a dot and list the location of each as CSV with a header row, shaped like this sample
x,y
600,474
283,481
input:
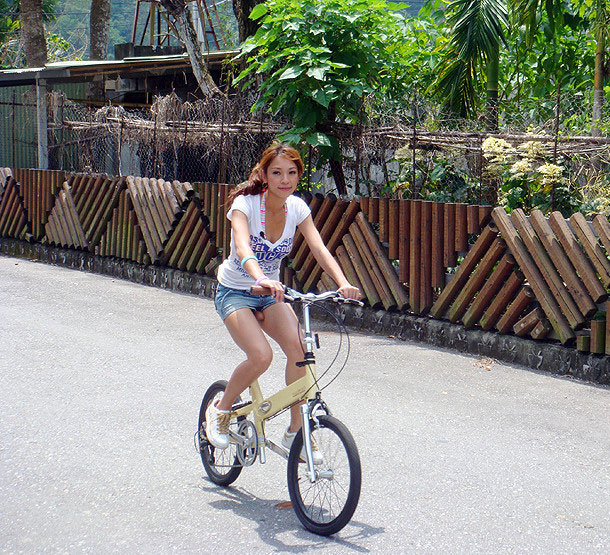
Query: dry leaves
x,y
485,362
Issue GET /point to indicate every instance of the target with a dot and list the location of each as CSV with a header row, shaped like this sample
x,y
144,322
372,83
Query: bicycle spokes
x,y
326,501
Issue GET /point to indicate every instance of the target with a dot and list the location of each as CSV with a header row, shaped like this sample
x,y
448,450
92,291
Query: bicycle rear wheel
x,y
221,465
326,505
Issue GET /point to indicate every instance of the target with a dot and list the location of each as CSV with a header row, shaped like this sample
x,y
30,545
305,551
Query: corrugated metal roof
x,y
81,70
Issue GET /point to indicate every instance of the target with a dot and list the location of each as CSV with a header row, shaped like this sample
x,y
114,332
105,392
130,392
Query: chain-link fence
x,y
407,150
217,140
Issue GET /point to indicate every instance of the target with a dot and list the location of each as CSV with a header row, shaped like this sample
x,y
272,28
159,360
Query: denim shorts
x,y
229,300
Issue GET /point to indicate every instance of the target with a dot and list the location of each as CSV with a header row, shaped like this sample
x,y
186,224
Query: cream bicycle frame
x,y
303,389
263,409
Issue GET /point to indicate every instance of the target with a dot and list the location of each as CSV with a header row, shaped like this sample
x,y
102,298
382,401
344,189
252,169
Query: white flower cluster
x,y
498,154
551,175
521,169
522,162
494,148
534,149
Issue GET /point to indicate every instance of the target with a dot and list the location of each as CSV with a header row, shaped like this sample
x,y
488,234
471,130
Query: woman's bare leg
x,y
247,334
282,325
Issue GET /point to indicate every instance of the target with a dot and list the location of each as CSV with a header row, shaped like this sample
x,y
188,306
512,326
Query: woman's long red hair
x,y
255,184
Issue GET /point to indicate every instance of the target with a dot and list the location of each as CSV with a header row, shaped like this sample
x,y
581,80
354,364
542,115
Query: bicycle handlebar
x,y
292,296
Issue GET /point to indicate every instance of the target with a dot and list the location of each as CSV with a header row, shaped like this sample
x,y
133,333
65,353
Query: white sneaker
x,y
217,426
287,440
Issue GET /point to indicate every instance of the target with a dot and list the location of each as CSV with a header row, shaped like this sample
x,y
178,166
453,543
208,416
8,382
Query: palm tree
x,y
34,35
99,23
478,32
526,12
602,36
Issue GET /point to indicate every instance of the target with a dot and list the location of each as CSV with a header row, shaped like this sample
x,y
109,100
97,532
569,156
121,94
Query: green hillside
x,y
72,23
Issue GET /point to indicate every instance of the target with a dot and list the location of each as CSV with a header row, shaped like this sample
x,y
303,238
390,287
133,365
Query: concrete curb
x,y
538,355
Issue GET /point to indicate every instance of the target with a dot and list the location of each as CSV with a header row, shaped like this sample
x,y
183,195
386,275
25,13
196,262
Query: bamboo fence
x,y
477,266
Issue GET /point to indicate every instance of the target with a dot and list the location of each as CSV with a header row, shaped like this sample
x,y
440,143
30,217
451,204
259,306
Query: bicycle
x,y
324,496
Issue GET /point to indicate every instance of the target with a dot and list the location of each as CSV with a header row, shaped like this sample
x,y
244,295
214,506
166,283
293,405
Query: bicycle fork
x,y
306,431
305,408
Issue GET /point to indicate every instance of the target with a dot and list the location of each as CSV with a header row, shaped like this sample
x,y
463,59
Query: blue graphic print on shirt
x,y
269,257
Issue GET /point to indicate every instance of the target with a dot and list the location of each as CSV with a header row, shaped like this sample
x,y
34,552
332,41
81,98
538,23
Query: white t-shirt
x,y
269,255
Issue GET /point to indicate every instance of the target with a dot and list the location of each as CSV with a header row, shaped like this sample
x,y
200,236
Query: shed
x,y
129,82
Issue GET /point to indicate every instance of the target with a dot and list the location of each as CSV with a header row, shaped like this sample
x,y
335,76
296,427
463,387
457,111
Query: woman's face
x,y
282,177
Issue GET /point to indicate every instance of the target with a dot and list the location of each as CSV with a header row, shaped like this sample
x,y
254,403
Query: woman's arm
x,y
325,259
241,236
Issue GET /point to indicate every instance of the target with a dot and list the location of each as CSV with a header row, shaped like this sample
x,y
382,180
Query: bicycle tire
x,y
325,506
221,465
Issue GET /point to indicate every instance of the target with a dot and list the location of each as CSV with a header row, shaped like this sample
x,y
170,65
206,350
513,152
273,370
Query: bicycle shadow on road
x,y
273,519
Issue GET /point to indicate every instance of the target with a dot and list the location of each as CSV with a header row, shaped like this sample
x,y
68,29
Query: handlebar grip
x,y
260,290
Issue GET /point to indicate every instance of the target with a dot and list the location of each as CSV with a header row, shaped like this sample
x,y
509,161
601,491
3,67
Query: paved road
x,y
100,385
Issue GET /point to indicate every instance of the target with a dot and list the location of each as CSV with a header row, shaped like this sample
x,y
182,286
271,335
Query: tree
x,y
601,17
245,25
99,25
480,27
186,29
13,34
477,33
320,60
593,16
34,35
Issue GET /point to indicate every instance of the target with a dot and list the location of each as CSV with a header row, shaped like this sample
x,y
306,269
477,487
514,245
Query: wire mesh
x,y
394,150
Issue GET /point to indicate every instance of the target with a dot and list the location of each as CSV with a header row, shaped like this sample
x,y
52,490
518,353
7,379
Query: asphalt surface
x,y
100,386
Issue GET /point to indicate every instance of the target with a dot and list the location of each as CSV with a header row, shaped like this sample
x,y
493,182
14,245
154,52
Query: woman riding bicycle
x,y
264,216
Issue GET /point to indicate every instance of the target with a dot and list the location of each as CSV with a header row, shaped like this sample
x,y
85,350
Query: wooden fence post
x,y
533,275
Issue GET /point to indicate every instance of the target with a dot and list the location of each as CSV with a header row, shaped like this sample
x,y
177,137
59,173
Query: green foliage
x,y
596,196
537,69
10,9
424,39
546,45
478,29
439,176
529,179
58,48
73,23
319,60
528,12
9,16
11,47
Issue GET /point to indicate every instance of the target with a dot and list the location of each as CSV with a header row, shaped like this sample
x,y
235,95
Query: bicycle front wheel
x,y
327,504
221,465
